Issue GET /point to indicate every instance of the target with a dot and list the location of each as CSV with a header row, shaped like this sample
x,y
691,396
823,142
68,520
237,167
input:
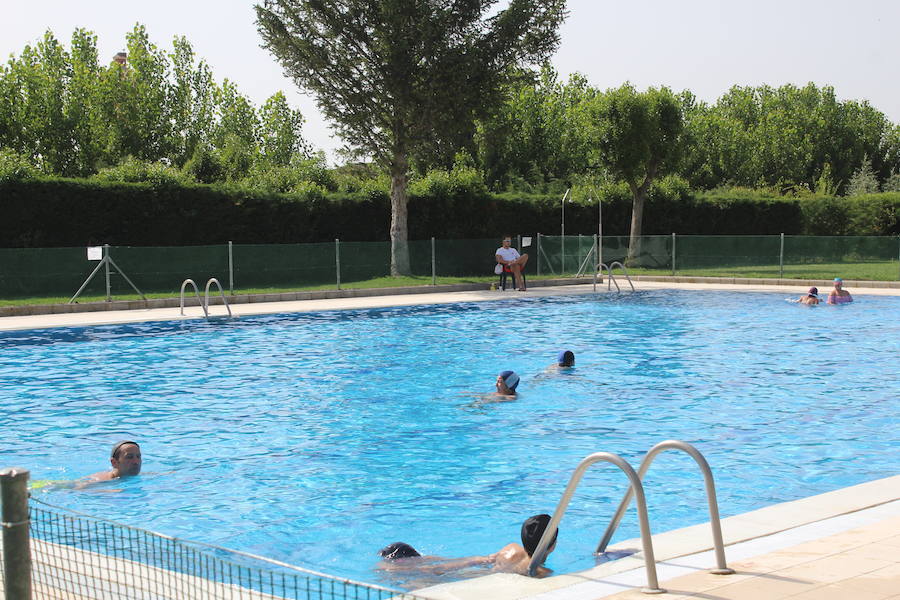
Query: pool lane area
x,y
840,544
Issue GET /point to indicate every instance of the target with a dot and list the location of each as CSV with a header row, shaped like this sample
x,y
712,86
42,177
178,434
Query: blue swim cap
x,y
566,358
838,280
510,379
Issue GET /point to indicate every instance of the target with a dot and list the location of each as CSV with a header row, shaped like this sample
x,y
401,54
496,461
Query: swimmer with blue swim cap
x,y
566,358
507,382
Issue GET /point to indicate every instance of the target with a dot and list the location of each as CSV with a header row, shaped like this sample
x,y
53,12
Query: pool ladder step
x,y
610,279
204,302
636,489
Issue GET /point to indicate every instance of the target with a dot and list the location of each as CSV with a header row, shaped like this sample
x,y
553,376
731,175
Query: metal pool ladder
x,y
204,302
637,490
610,279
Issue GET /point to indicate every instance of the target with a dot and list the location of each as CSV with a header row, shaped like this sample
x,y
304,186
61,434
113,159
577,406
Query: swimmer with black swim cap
x,y
125,459
512,558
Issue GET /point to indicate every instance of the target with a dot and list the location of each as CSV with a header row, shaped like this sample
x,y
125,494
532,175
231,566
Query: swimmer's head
x,y
125,457
397,550
566,358
509,379
838,281
532,530
813,291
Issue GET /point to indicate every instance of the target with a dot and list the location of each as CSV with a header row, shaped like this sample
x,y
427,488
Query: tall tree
x,y
398,76
639,141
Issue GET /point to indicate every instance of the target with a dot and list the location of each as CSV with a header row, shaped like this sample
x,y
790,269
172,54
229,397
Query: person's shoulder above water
x,y
839,295
125,459
811,297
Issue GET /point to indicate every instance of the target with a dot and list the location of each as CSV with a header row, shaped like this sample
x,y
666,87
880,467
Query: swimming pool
x,y
318,438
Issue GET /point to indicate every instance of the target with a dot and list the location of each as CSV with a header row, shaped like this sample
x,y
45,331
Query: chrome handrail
x,y
211,281
197,292
721,566
624,270
540,553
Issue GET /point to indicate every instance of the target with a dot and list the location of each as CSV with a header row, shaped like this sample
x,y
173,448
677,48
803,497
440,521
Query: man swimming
x,y
512,558
125,459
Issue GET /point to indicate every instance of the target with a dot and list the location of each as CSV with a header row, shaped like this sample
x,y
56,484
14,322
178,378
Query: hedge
x,y
68,212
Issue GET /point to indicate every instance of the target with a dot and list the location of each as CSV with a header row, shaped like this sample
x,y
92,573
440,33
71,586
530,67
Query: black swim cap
x,y
532,530
398,550
118,445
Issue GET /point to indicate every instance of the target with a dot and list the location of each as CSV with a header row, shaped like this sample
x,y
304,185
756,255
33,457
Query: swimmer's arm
x,y
456,564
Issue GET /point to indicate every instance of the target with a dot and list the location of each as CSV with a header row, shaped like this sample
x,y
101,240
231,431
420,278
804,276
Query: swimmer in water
x,y
125,459
512,558
839,295
565,359
507,382
811,298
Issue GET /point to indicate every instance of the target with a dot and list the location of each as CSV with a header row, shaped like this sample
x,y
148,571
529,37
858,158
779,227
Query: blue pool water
x,y
318,438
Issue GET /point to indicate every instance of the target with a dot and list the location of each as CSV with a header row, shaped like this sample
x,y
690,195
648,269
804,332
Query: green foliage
x,y
72,115
763,136
205,165
403,80
863,180
161,211
15,167
134,170
300,176
541,134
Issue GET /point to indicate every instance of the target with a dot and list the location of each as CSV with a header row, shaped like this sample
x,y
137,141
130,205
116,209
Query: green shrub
x,y
156,174
15,167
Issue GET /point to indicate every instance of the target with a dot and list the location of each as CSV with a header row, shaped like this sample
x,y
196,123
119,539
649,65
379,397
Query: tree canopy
x,y
401,78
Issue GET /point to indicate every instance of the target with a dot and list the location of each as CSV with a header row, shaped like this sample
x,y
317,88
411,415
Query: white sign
x,y
95,252
526,241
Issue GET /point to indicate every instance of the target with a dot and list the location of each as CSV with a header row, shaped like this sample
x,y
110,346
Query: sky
x,y
706,46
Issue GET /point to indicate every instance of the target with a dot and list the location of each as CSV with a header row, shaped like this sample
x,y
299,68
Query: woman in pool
x,y
811,297
839,295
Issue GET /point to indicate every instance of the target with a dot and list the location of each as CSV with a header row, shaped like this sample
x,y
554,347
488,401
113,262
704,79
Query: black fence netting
x,y
80,556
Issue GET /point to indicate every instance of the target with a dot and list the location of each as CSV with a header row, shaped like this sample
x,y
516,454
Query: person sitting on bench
x,y
509,258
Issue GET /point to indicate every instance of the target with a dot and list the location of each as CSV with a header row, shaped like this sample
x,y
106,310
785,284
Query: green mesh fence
x,y
284,265
59,272
80,556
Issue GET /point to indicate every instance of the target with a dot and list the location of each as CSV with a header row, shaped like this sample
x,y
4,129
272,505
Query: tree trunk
x,y
399,229
637,214
639,194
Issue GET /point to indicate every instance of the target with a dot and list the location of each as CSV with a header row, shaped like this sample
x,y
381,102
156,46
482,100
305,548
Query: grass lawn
x,y
379,282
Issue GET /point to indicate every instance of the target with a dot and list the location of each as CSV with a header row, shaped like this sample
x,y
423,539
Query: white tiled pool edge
x,y
689,550
112,317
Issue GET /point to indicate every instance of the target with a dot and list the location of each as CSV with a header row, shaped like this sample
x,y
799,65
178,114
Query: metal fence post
x,y
538,252
597,256
433,267
337,261
781,258
106,255
673,254
230,268
15,525
898,256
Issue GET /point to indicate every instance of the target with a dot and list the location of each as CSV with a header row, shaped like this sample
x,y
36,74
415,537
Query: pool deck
x,y
843,544
363,299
